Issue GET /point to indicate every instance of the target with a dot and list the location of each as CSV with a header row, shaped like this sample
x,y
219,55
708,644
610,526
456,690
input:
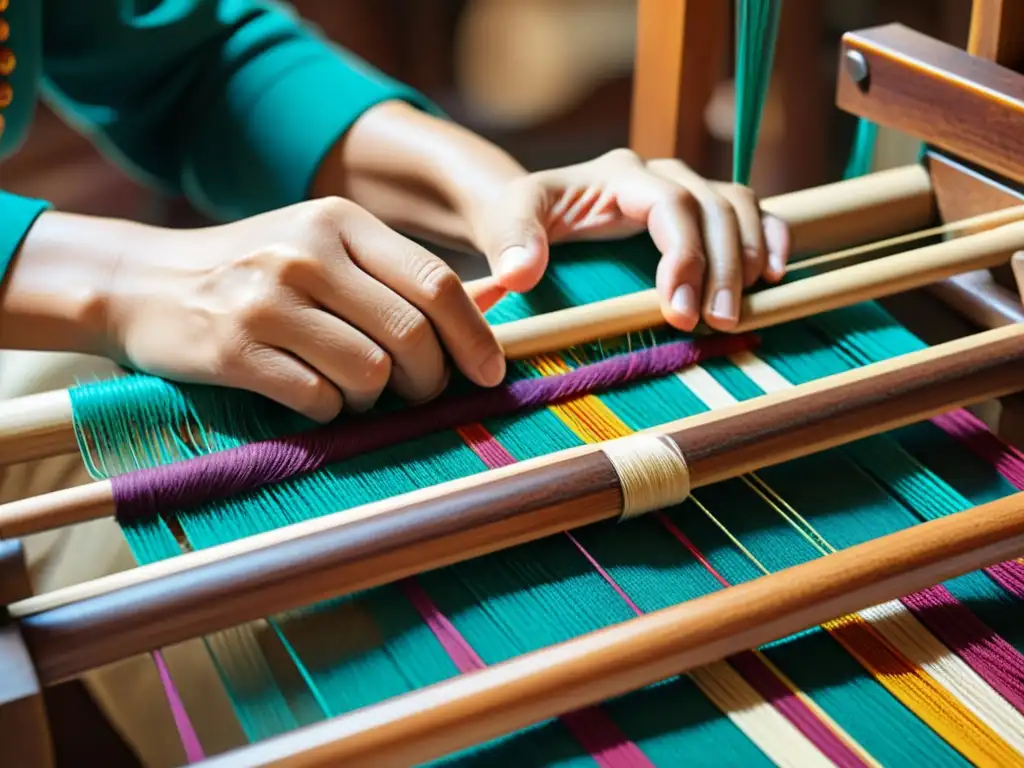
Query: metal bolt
x,y
857,68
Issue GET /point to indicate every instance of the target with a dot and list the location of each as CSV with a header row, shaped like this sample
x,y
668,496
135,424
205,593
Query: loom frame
x,y
670,79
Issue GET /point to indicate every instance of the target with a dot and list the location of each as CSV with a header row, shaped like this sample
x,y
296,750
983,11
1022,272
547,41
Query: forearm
x,y
418,173
54,295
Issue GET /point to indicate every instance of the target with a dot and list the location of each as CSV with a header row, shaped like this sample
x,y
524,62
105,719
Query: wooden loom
x,y
963,104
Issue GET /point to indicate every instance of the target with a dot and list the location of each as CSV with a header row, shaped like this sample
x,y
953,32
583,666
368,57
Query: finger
x,y
725,265
679,277
778,243
418,368
357,366
278,376
516,243
748,215
724,271
429,285
485,292
672,218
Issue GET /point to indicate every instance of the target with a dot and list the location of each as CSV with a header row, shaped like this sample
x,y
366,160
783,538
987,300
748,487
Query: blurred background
x,y
550,80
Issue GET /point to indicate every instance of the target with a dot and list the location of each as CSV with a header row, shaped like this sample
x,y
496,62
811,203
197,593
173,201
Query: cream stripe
x,y
896,624
773,734
913,640
706,388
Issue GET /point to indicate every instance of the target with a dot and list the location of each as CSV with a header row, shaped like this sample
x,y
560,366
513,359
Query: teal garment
x,y
232,103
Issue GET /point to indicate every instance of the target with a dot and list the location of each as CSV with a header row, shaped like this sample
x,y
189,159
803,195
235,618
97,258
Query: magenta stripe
x,y
189,738
591,727
995,660
773,690
1008,461
750,666
1010,576
972,432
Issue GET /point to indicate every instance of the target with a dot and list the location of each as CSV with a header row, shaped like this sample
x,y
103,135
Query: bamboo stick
x,y
381,543
822,218
842,287
474,708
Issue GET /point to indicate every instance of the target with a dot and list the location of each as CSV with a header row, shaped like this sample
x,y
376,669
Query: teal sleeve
x,y
233,103
18,214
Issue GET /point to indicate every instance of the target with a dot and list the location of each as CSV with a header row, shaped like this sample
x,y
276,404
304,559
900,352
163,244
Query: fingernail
x,y
724,305
493,370
514,259
775,237
750,270
684,300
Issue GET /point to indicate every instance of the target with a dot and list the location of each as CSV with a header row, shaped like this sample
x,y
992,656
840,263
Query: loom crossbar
x,y
500,510
939,93
476,707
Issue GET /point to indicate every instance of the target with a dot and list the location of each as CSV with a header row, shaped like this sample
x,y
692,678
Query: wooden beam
x,y
24,732
997,32
470,709
967,106
679,49
453,522
962,192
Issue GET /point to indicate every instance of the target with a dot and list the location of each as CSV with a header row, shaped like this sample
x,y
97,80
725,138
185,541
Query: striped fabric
x,y
934,678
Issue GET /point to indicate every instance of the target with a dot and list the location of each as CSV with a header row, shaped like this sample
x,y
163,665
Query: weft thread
x,y
188,484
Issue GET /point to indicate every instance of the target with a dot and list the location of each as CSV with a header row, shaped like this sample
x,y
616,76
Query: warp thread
x,y
191,483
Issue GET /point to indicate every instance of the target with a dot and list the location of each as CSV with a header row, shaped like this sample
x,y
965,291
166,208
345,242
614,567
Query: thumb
x,y
517,246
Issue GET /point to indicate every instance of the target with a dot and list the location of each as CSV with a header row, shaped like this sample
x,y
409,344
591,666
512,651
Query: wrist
x,y
57,295
418,172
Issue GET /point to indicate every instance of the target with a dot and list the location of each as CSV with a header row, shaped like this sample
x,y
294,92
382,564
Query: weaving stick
x,y
380,543
821,218
471,709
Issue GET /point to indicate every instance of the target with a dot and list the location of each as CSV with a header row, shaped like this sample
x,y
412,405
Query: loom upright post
x,y
24,730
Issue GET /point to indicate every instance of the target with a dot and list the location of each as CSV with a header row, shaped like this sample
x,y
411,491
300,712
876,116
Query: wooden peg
x,y
24,730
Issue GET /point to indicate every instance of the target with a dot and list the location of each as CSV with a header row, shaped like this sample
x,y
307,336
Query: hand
x,y
317,306
713,239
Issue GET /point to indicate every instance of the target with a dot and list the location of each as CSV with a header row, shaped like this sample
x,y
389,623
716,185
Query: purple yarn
x,y
995,660
193,482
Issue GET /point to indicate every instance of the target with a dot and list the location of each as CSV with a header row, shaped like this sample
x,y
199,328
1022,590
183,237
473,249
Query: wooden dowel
x,y
501,511
823,218
843,287
407,500
35,427
474,708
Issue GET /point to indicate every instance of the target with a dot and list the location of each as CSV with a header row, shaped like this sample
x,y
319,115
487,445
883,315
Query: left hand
x,y
713,240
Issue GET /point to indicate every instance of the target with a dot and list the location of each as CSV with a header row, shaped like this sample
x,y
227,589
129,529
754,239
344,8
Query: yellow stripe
x,y
913,686
593,421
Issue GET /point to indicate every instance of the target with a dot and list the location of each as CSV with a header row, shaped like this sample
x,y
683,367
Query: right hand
x,y
318,306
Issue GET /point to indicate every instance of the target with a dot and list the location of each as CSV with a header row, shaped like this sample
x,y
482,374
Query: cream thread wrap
x,y
652,473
